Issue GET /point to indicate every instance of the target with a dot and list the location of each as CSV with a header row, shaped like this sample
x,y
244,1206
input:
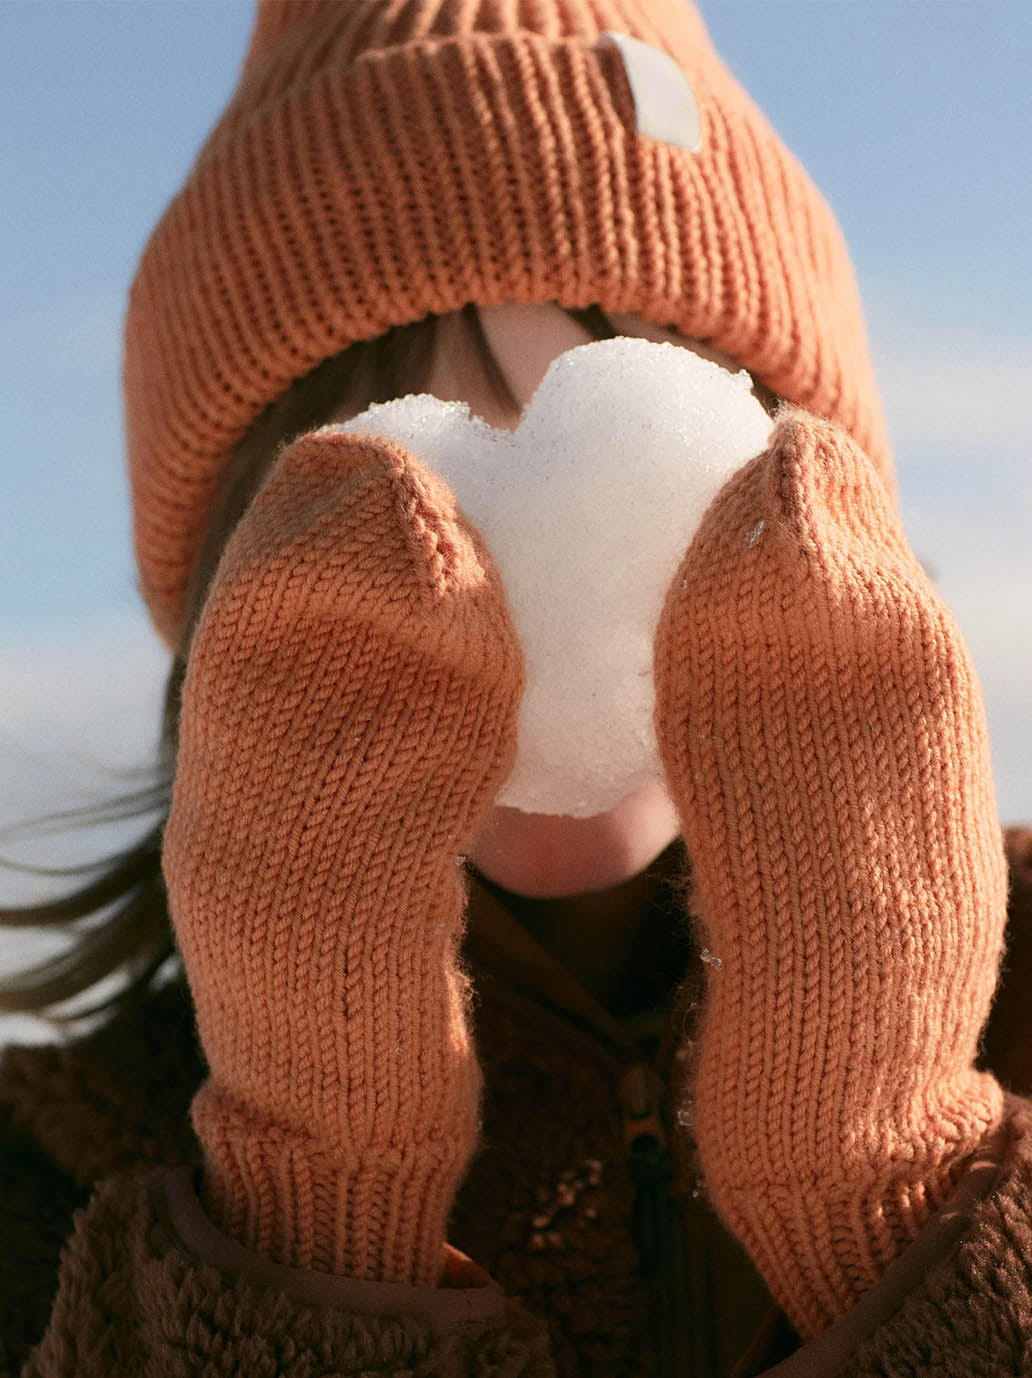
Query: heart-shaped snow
x,y
587,509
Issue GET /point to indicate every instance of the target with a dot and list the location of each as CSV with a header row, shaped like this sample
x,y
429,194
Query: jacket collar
x,y
496,942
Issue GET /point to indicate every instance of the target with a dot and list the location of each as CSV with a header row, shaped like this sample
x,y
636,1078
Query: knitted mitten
x,y
349,712
822,732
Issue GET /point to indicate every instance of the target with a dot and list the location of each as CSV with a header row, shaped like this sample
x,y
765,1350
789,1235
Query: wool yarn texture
x,y
379,162
587,544
823,735
349,711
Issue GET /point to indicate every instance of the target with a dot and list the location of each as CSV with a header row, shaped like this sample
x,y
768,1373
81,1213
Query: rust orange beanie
x,y
379,162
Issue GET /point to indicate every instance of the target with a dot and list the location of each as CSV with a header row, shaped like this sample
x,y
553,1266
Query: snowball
x,y
588,509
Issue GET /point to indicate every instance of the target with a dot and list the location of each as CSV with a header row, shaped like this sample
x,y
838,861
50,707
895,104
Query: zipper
x,y
509,950
656,1229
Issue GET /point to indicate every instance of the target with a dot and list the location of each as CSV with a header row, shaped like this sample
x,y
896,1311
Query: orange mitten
x,y
822,731
349,712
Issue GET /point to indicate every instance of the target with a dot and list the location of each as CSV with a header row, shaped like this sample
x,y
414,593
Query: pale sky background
x,y
914,118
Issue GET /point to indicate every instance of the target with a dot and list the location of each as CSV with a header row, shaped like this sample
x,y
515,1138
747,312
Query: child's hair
x,y
135,933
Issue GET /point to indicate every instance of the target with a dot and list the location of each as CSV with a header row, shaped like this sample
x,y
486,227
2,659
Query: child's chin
x,y
553,856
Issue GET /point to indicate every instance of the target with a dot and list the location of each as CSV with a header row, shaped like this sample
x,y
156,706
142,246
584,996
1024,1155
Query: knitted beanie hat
x,y
384,159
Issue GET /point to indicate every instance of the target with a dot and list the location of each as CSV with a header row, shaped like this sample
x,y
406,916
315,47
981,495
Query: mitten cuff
x,y
375,1212
822,1244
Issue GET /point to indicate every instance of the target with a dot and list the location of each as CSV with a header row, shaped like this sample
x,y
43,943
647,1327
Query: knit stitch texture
x,y
821,725
348,713
379,162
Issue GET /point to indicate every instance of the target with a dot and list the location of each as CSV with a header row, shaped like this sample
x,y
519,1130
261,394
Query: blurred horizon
x,y
912,119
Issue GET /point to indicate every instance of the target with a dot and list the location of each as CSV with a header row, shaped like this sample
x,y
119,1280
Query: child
x,y
468,1095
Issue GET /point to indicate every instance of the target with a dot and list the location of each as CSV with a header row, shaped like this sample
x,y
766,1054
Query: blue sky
x,y
913,117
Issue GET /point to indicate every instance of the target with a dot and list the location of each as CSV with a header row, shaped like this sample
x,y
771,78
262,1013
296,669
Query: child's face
x,y
550,855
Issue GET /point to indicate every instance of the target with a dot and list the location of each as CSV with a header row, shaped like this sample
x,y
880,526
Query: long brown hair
x,y
135,934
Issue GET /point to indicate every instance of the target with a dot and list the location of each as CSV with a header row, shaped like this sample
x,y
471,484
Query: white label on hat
x,y
664,103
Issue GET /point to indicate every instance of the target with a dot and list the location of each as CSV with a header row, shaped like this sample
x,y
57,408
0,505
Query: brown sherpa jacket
x,y
578,1260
